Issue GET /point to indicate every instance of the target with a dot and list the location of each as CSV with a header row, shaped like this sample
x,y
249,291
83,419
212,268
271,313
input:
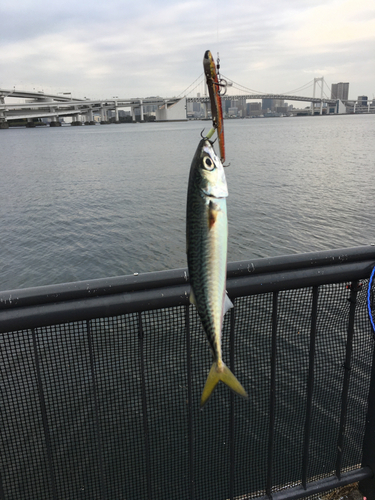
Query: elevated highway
x,y
41,105
283,97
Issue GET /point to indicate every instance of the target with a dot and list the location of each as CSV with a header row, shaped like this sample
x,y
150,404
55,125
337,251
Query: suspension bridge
x,y
53,106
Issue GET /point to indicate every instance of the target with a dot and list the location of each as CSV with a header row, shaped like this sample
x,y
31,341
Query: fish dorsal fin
x,y
227,304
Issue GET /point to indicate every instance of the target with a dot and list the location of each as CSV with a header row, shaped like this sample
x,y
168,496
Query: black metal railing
x,y
100,384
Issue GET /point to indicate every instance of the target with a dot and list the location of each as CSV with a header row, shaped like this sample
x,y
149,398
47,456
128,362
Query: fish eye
x,y
208,163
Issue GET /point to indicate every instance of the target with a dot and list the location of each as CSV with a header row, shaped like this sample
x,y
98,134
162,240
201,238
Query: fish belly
x,y
207,232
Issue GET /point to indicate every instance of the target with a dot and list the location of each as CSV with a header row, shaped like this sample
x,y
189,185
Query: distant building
x,y
196,107
282,109
362,100
240,104
254,108
227,105
267,104
149,108
233,111
340,91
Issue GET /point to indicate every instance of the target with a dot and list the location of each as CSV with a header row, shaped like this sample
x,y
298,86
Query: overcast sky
x,y
130,48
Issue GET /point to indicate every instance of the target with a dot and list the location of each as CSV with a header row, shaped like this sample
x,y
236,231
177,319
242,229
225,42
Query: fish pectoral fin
x,y
192,298
227,304
213,211
226,376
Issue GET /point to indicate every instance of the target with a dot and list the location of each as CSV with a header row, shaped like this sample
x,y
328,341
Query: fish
x,y
206,248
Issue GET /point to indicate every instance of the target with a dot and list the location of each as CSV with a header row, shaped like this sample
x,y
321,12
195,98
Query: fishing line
x,y
369,299
217,23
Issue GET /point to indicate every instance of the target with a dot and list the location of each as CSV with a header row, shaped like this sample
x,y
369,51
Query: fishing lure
x,y
215,86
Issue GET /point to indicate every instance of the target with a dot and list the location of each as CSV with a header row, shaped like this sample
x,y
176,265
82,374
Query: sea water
x,y
79,203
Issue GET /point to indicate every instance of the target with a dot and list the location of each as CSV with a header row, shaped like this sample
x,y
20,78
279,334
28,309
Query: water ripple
x,y
88,202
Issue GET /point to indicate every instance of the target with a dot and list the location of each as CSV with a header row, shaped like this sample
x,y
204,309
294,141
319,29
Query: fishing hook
x,y
209,135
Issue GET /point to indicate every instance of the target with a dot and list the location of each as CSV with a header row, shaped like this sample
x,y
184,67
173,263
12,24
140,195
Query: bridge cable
x,y
237,88
197,85
299,88
330,90
187,88
306,85
243,87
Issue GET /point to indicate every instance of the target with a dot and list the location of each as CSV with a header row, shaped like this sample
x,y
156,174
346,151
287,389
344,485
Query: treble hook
x,y
209,135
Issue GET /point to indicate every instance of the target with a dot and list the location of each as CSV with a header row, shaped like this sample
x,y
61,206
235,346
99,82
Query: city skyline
x,y
100,50
340,91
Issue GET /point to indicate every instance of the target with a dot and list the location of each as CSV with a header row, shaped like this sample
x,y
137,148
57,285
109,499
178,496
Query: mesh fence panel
x,y
363,342
253,368
101,408
23,458
120,430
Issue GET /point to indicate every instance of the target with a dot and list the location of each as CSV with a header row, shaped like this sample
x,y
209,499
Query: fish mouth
x,y
217,194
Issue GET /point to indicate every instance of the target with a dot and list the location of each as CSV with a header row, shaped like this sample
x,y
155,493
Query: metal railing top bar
x,y
91,288
33,307
325,484
174,277
302,260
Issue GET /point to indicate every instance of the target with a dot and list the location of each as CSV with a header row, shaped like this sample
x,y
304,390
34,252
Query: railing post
x,y
2,495
43,409
190,406
310,387
231,415
271,427
103,494
367,486
144,407
354,288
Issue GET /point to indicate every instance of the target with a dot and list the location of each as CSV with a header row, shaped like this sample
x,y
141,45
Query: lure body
x,y
214,86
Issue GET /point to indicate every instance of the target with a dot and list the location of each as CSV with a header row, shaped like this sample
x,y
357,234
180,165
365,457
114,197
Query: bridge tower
x,y
316,80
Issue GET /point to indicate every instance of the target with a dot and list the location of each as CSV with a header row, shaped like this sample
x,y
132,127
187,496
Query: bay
x,y
78,203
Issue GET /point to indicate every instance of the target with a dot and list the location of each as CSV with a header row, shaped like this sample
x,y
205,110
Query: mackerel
x,y
206,247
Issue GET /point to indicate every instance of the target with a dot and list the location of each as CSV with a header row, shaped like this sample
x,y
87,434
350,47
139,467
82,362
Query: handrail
x,y
174,277
32,307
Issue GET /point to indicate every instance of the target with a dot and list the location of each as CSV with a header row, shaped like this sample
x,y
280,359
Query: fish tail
x,y
226,376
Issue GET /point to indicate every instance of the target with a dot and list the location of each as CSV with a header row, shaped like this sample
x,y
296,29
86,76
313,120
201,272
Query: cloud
x,y
148,48
331,24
